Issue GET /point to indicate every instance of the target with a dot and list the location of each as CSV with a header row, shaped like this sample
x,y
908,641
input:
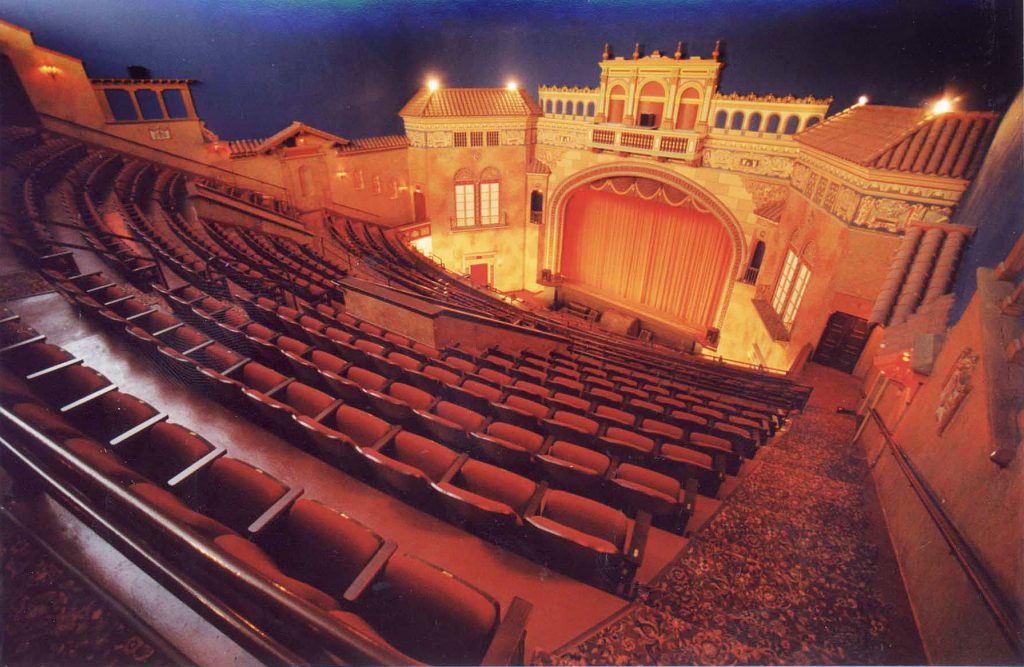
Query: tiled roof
x,y
905,139
771,210
538,167
369,144
247,147
920,272
456,102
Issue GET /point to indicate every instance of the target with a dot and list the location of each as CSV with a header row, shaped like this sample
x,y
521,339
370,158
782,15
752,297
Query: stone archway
x,y
559,198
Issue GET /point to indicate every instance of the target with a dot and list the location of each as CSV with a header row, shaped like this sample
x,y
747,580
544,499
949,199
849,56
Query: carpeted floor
x,y
20,284
51,617
782,574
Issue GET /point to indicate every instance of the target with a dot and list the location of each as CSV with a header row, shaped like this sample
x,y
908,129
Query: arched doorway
x,y
649,246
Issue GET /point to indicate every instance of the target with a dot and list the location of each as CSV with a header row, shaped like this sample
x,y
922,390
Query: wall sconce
x,y
341,173
50,70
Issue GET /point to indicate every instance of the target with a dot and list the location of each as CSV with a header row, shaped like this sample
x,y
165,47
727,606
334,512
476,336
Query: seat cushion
x,y
686,455
366,379
631,438
614,414
528,440
577,536
326,361
532,407
171,448
663,484
574,401
361,426
47,421
102,460
441,374
661,428
258,561
306,400
485,391
443,621
576,421
498,484
424,454
328,549
259,377
417,398
239,493
356,622
467,419
580,456
585,515
169,504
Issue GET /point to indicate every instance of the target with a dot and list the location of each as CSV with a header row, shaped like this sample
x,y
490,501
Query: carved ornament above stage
x,y
648,190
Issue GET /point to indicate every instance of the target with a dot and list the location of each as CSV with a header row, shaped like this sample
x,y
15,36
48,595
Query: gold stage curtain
x,y
673,260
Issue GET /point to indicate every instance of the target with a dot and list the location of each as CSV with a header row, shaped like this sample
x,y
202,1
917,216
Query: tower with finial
x,y
679,50
718,49
636,51
607,52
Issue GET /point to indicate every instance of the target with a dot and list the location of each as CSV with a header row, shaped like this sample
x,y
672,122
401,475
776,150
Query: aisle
x,y
793,570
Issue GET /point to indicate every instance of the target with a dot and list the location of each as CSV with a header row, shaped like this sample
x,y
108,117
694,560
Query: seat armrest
x,y
328,410
99,287
370,571
235,366
454,469
136,316
88,397
534,502
202,346
638,545
22,343
386,438
46,371
137,429
278,387
114,302
161,332
273,512
690,497
178,481
507,644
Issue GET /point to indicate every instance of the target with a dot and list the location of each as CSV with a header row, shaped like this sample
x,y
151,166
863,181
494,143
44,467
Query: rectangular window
x,y
460,139
492,139
785,282
489,203
476,138
465,205
796,295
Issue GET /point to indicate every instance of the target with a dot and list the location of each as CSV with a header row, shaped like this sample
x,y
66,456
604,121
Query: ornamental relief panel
x,y
892,215
550,155
513,137
439,139
764,192
416,139
751,163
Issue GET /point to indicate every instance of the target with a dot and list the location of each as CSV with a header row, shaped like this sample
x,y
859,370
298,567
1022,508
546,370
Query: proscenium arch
x,y
554,216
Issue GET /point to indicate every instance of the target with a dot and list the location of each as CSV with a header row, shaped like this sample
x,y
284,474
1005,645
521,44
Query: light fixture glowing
x,y
945,105
862,100
50,70
512,85
433,84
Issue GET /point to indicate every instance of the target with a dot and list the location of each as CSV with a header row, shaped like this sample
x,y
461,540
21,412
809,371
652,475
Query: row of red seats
x,y
322,556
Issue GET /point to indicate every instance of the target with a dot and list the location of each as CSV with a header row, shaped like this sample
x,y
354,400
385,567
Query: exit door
x,y
479,274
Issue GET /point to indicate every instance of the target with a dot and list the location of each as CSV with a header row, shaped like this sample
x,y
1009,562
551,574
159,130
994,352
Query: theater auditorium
x,y
640,372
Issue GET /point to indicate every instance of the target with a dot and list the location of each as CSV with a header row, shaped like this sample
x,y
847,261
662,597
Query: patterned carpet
x,y
20,284
779,576
50,617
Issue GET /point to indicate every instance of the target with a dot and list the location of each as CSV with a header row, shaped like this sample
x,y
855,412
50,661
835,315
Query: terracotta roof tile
x,y
455,102
247,147
369,144
905,139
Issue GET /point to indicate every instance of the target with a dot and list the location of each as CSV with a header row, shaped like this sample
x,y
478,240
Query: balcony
x,y
480,223
664,144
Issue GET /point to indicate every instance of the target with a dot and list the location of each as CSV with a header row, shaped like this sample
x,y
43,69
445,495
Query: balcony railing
x,y
478,223
656,143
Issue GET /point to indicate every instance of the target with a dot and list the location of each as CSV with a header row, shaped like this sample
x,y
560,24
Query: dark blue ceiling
x,y
348,66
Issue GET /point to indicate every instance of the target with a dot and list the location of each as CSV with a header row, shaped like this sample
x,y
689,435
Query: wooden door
x,y
478,274
842,342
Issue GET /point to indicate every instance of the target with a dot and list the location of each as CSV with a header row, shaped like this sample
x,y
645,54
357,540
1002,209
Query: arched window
x,y
721,118
772,126
754,267
590,110
547,106
616,104
558,108
737,120
536,207
789,290
465,198
689,105
792,124
754,122
490,196
812,121
651,106
579,108
360,180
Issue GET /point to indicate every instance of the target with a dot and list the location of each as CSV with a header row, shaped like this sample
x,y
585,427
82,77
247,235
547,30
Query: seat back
x,y
238,493
587,516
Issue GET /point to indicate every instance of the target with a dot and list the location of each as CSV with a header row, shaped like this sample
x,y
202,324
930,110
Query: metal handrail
x,y
1005,616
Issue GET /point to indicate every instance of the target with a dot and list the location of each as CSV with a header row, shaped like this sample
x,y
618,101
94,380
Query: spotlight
x,y
50,70
945,105
433,84
862,100
512,85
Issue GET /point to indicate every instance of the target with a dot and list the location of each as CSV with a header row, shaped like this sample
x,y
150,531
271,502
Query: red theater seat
x,y
258,561
176,510
410,463
509,446
449,423
237,494
486,498
572,467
